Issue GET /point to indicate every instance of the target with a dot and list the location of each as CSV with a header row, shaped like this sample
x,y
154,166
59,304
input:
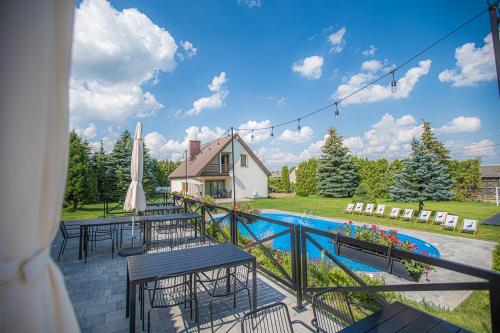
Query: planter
x,y
376,260
246,220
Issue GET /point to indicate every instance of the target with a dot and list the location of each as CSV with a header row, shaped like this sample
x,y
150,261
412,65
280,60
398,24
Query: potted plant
x,y
408,269
209,202
248,210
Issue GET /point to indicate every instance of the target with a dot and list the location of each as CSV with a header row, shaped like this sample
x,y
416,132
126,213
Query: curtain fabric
x,y
35,44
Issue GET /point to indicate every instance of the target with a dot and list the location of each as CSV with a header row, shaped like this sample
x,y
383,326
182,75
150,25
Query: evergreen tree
x,y
80,182
274,184
150,172
422,178
92,193
466,177
337,174
433,145
285,179
118,166
307,177
99,163
165,168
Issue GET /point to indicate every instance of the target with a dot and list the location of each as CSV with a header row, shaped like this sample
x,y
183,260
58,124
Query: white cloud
x,y
258,135
88,132
378,92
115,53
337,41
371,51
371,65
189,50
214,101
354,143
280,101
309,68
276,156
112,134
249,3
461,149
304,135
163,148
460,125
473,65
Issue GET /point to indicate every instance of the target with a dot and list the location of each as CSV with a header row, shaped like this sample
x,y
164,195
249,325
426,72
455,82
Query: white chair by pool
x,y
407,215
469,226
424,216
358,209
440,217
369,209
450,222
349,208
380,210
394,214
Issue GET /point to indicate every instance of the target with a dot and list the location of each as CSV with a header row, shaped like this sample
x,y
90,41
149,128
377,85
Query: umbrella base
x,y
131,251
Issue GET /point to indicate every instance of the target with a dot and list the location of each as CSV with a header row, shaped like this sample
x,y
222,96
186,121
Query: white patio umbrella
x,y
135,199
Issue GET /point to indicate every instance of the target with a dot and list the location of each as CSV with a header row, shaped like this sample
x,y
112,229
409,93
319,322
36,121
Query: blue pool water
x,y
264,229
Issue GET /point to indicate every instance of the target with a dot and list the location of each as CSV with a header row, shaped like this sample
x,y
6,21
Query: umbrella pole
x,y
133,227
132,251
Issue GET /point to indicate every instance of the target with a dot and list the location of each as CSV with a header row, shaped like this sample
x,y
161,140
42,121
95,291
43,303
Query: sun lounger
x,y
424,216
358,209
450,222
469,226
380,210
440,217
394,214
369,209
349,208
407,215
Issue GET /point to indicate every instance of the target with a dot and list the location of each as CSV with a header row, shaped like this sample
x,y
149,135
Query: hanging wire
x,y
404,63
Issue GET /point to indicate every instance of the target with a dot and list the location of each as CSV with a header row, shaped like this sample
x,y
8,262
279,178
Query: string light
x,y
252,136
298,126
272,132
394,84
337,112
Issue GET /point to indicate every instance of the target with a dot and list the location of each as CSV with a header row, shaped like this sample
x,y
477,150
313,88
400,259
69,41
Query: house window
x,y
244,160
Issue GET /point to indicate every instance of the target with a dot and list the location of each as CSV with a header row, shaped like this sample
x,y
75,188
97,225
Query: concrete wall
x,y
250,181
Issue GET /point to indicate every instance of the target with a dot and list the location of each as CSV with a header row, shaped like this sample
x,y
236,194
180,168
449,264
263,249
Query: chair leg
x,y
210,310
112,245
234,300
61,250
149,321
249,298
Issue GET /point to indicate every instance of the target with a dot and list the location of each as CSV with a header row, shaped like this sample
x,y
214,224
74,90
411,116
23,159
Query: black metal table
x,y
145,268
398,317
144,220
159,203
160,209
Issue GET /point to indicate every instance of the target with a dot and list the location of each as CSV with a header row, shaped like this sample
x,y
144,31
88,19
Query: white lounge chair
x,y
469,226
440,217
394,214
424,216
358,209
450,222
407,215
369,209
349,208
380,210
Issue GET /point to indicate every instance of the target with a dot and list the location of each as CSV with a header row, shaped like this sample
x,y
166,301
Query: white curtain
x,y
35,44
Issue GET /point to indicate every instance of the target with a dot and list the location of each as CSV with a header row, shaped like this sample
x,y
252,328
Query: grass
x,y
333,208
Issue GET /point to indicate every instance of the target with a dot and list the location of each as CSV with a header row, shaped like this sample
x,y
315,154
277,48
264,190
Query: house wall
x,y
250,181
194,186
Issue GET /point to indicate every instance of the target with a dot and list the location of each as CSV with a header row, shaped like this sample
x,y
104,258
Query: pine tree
x,y
285,179
150,172
99,163
165,168
337,174
118,166
422,178
433,145
307,177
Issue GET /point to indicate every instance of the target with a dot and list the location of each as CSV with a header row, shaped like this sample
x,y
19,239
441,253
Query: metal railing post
x,y
202,226
495,304
232,228
296,265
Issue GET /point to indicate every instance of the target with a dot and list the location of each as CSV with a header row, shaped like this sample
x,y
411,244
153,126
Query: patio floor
x,y
97,291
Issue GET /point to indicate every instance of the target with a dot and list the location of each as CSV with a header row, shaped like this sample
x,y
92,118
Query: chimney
x,y
194,148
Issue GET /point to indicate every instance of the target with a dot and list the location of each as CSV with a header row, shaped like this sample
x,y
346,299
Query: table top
x,y
141,218
146,267
159,207
159,203
398,317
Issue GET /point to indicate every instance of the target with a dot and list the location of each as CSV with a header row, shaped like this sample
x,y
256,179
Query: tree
x,y
165,168
80,183
99,163
422,178
274,184
337,174
433,145
150,172
285,180
466,177
118,168
307,177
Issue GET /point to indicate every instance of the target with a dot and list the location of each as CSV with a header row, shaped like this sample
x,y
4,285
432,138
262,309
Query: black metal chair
x,y
166,292
68,232
225,282
99,234
332,310
273,318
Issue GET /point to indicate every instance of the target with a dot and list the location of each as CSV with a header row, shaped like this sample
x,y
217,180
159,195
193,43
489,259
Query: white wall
x,y
250,181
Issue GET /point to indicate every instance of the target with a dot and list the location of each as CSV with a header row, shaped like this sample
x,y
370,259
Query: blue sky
x,y
193,69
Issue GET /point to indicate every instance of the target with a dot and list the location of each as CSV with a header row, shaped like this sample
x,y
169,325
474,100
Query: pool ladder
x,y
306,217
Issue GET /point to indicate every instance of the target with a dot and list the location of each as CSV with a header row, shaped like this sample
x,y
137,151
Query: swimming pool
x,y
264,229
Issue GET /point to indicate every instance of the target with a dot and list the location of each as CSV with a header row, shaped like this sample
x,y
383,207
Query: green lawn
x,y
334,208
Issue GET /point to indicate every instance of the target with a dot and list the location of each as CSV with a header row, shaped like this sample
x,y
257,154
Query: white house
x,y
209,170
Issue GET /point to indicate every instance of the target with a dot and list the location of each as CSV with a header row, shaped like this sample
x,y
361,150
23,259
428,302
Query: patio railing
x,y
303,239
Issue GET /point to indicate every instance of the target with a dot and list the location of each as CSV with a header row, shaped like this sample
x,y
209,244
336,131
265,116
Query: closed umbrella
x,y
135,199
